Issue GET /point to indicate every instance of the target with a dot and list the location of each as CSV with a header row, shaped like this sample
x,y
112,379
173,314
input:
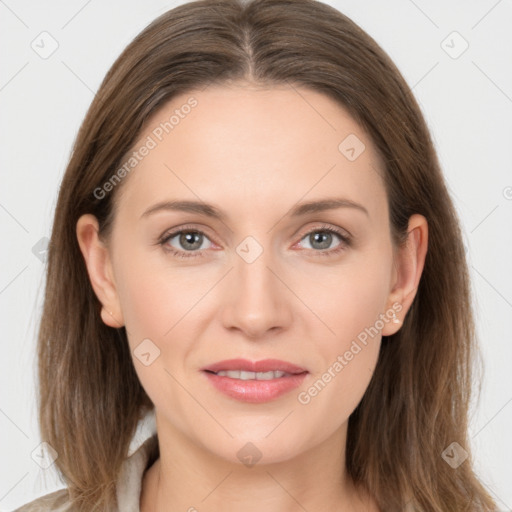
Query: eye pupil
x,y
316,237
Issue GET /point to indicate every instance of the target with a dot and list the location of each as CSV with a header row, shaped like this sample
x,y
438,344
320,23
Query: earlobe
x,y
109,318
99,268
409,268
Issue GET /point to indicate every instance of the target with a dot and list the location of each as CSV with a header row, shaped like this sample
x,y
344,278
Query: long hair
x,y
90,399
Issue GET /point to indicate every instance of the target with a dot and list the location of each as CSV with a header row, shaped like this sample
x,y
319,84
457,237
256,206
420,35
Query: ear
x,y
408,267
98,262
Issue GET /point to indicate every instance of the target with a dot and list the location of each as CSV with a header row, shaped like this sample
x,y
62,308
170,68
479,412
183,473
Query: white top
x,y
128,485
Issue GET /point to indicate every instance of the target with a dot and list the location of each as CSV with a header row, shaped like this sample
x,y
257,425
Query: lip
x,y
265,365
255,391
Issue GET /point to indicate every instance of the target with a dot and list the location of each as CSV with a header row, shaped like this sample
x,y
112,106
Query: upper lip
x,y
265,365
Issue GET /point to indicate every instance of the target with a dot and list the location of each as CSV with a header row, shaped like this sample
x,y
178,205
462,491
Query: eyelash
x,y
345,242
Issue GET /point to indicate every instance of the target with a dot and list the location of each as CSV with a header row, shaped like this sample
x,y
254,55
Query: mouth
x,y
254,381
244,367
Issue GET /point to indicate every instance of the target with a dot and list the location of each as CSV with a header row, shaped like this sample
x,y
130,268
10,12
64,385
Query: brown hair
x,y
90,398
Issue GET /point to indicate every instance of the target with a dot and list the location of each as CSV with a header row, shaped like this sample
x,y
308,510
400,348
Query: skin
x,y
254,153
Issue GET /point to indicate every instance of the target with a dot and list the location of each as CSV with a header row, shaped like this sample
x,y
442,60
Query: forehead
x,y
263,146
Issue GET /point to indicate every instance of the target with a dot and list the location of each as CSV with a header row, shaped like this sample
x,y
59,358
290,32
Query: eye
x,y
185,243
320,239
189,242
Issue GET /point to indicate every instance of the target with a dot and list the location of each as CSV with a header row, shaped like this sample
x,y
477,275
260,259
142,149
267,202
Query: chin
x,y
256,448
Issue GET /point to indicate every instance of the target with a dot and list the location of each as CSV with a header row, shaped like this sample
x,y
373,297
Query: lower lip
x,y
255,391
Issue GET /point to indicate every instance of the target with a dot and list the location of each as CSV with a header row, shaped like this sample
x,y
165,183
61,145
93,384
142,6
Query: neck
x,y
187,478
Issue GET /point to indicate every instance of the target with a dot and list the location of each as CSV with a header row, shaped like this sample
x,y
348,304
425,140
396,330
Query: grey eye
x,y
320,239
188,240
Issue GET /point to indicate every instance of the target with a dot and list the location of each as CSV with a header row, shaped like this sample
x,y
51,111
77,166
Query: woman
x,y
254,240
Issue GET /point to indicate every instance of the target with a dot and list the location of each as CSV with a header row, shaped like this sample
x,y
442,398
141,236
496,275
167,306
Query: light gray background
x,y
466,100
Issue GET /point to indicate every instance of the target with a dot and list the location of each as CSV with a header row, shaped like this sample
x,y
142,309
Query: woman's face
x,y
260,272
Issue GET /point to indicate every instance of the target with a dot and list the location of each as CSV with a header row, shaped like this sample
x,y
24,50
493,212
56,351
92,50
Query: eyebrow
x,y
212,211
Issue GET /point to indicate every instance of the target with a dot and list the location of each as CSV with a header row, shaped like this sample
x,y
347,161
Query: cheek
x,y
350,305
350,299
154,297
154,306
160,304
147,306
334,393
347,358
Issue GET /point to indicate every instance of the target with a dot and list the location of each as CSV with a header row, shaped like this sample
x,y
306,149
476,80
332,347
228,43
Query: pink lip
x,y
265,365
255,391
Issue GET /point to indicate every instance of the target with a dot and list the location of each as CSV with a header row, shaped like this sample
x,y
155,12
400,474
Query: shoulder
x,y
57,501
128,485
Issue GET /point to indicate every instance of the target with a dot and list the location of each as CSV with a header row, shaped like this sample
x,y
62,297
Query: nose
x,y
256,300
